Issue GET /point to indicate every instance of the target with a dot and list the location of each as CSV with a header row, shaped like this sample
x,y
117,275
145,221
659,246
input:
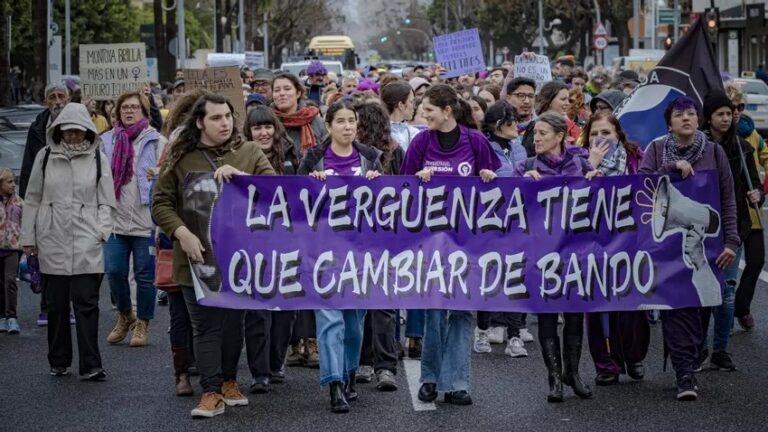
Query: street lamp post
x,y
181,37
541,27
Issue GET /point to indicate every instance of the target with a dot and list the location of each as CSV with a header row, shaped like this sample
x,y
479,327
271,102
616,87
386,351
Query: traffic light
x,y
408,21
668,42
383,39
712,15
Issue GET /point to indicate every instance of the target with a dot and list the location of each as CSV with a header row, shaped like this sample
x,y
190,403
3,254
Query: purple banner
x,y
555,245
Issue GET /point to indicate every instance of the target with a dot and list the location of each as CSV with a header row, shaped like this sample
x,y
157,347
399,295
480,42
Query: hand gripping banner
x,y
561,244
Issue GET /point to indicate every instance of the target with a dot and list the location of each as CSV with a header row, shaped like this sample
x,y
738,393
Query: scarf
x,y
691,153
615,162
555,162
71,149
122,154
301,119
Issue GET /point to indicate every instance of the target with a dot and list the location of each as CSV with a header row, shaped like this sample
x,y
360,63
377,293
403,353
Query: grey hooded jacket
x,y
67,215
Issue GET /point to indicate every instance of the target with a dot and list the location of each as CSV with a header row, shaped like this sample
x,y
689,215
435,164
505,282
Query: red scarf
x,y
301,119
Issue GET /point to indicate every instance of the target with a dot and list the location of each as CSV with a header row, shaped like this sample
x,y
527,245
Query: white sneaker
x,y
526,336
497,335
515,348
482,344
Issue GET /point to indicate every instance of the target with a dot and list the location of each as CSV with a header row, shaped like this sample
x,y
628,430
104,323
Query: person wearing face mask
x,y
450,146
209,142
340,332
67,218
685,150
268,333
754,246
56,97
554,158
720,128
134,147
629,332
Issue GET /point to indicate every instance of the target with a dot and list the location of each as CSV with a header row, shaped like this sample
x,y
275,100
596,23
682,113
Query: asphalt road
x,y
509,394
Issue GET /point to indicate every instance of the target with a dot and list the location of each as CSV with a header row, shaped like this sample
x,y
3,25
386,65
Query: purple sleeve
x,y
414,156
485,158
652,161
727,200
520,169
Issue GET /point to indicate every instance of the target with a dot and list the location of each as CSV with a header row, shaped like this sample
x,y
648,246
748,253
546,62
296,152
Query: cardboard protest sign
x,y
109,70
560,244
459,53
225,81
536,68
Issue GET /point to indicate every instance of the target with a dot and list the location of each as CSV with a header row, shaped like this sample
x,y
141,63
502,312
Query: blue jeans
x,y
117,253
445,356
414,323
339,341
725,312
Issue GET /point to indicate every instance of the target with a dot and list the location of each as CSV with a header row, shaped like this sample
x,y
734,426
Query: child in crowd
x,y
10,250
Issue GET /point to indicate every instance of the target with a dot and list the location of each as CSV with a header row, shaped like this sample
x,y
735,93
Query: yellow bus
x,y
338,47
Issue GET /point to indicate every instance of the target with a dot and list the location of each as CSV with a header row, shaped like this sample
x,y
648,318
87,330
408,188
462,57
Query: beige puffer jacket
x,y
67,216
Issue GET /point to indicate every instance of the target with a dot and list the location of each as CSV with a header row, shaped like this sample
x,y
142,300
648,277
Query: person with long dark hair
x,y
268,333
720,128
684,150
629,332
554,158
449,147
211,143
340,154
399,100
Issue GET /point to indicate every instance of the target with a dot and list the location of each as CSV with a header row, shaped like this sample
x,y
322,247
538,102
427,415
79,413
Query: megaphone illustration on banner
x,y
674,212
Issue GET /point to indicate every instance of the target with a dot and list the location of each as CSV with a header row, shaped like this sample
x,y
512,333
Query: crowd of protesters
x,y
101,193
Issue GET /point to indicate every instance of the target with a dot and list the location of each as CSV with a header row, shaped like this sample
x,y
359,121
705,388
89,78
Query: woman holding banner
x,y
305,129
720,127
554,158
685,150
340,332
449,147
624,347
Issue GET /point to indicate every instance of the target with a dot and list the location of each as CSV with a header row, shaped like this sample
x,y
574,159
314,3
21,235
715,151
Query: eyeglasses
x,y
740,107
524,96
130,108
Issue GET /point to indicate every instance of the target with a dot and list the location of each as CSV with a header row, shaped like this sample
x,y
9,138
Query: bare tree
x,y
5,75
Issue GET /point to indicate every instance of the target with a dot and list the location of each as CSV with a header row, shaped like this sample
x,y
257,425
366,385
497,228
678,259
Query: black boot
x,y
338,402
572,351
349,388
550,350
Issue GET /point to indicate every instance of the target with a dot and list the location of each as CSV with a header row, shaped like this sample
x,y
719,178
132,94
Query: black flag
x,y
689,68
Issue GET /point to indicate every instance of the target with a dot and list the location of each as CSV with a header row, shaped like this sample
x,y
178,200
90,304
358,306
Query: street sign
x,y
600,30
600,43
537,43
667,15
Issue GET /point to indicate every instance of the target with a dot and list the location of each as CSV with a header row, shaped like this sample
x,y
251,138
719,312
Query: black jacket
x,y
740,184
530,148
313,159
396,161
35,142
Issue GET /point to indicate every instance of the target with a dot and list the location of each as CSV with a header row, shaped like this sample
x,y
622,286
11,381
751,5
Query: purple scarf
x,y
122,153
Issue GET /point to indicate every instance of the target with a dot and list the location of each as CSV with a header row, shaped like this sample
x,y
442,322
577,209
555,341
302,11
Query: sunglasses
x,y
740,107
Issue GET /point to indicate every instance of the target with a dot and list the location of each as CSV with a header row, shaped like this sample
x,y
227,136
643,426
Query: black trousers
x,y
218,340
9,292
574,325
181,326
304,326
379,344
683,337
267,335
83,292
514,321
754,257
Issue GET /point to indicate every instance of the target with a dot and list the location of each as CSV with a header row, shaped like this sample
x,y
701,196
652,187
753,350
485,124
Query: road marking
x,y
413,374
763,273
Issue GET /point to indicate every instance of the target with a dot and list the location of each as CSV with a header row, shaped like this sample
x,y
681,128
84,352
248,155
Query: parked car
x,y
14,125
757,102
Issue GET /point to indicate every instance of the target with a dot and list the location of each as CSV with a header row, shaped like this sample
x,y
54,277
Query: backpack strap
x,y
529,163
98,167
45,160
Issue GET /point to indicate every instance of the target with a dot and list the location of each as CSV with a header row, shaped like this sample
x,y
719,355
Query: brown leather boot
x,y
180,367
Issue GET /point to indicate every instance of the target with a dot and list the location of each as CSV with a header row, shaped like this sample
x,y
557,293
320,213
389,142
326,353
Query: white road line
x,y
413,374
763,273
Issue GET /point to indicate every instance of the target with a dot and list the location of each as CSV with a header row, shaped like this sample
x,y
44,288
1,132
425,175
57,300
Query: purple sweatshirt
x,y
574,164
713,158
471,154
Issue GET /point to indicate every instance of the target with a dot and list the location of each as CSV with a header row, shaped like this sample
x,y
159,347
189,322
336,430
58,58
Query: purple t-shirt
x,y
471,154
334,164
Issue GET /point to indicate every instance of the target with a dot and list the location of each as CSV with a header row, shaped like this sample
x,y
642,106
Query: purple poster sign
x,y
554,245
460,52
